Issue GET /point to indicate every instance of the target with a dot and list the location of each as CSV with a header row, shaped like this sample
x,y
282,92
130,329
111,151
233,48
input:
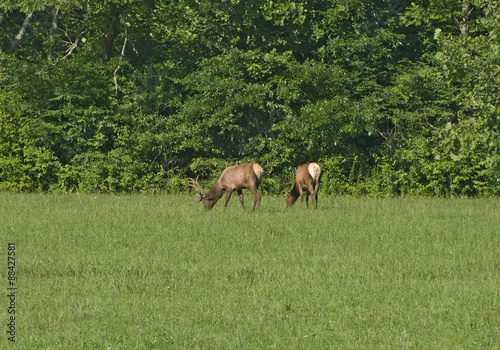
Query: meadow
x,y
158,272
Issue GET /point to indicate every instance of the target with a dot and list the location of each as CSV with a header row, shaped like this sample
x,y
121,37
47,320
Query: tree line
x,y
389,97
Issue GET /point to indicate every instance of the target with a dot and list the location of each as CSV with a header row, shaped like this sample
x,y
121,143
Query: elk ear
x,y
287,193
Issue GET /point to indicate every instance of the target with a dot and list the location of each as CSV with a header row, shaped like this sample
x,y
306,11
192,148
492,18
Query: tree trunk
x,y
112,30
22,31
52,37
463,22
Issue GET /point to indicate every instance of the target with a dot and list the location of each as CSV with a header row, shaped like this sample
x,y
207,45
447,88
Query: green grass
x,y
158,272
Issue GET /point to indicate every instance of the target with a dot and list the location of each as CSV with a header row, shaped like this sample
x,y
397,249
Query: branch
x,y
8,86
122,55
69,50
428,123
390,135
72,47
22,31
115,73
381,134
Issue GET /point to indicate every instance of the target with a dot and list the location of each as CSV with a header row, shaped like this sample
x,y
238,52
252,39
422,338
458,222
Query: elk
x,y
307,178
233,178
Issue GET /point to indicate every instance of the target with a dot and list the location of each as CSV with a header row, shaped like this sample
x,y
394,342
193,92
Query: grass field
x,y
158,272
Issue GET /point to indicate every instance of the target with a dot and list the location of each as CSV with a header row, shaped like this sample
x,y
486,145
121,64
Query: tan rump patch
x,y
314,171
258,170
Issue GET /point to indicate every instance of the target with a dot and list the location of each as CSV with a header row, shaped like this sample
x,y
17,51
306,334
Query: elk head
x,y
205,198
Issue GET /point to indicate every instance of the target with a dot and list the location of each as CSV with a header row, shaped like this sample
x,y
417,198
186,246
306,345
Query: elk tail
x,y
258,171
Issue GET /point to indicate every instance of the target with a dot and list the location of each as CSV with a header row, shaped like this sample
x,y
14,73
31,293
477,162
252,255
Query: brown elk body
x,y
233,178
307,178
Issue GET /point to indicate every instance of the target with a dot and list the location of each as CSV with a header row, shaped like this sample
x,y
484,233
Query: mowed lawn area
x,y
158,272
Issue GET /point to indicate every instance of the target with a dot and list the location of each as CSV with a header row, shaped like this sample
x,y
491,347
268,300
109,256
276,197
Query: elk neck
x,y
216,191
295,193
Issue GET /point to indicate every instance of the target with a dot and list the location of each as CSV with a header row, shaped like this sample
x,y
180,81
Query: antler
x,y
197,187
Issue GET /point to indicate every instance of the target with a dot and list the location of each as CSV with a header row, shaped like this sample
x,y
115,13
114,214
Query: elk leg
x,y
228,196
310,190
256,197
316,188
240,194
315,200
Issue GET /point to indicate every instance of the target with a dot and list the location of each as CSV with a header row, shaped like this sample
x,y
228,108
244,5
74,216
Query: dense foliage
x,y
389,97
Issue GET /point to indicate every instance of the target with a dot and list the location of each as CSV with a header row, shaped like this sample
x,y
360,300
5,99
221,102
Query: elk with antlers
x,y
233,178
307,178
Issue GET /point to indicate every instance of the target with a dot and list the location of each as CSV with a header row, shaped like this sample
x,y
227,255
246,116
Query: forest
x,y
390,97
